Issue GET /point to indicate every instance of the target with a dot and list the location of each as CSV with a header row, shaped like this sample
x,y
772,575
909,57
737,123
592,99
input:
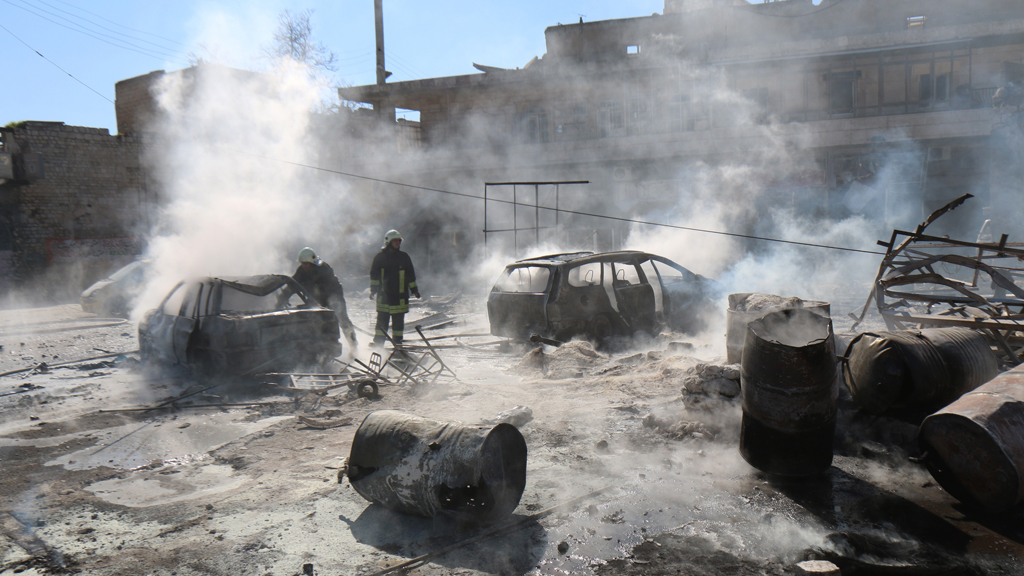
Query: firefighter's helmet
x,y
392,235
308,255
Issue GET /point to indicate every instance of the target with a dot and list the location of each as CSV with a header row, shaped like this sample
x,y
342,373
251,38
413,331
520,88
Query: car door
x,y
186,321
634,296
160,327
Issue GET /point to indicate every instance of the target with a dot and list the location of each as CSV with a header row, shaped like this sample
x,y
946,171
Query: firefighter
x,y
317,278
391,280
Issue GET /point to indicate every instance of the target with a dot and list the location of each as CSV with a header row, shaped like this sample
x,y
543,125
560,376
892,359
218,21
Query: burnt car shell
x,y
239,326
597,295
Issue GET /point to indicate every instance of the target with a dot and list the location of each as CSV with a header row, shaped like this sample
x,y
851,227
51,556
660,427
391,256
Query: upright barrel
x,y
920,368
790,393
746,307
975,446
409,464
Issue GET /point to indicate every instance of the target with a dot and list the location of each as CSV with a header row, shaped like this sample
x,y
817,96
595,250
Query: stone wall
x,y
85,217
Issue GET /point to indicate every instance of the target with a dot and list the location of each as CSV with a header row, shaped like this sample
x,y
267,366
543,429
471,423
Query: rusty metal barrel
x,y
746,307
920,368
790,387
474,474
975,446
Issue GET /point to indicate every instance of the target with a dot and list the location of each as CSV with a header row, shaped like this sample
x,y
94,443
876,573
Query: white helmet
x,y
392,235
308,255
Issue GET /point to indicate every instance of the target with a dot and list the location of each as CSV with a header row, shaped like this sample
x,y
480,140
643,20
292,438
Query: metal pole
x,y
515,222
556,211
536,211
485,218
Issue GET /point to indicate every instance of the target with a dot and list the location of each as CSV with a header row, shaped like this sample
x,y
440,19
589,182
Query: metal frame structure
x,y
909,291
515,229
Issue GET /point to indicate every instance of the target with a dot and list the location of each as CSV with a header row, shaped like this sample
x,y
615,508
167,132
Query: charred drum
x,y
790,390
746,307
475,474
975,446
916,368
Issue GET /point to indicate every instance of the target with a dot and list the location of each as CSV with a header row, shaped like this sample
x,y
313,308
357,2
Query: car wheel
x,y
116,307
366,389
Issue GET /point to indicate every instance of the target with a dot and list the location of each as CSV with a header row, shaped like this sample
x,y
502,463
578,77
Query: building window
x,y
937,90
842,92
579,110
915,22
534,125
639,115
609,117
680,113
633,50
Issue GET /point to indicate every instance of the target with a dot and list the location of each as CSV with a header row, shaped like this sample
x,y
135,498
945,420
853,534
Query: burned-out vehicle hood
x,y
239,325
598,296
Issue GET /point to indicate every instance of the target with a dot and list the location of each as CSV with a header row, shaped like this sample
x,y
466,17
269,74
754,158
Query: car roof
x,y
259,285
584,257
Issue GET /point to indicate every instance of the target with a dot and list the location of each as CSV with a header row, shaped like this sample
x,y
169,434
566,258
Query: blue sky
x,y
100,42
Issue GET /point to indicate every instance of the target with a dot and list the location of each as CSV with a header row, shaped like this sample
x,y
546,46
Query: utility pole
x,y
384,112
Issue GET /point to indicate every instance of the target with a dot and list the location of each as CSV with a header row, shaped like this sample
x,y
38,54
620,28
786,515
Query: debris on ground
x,y
707,386
517,416
677,428
571,360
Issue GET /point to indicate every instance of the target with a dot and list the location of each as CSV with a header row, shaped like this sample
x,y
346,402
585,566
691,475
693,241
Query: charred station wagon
x,y
597,295
239,326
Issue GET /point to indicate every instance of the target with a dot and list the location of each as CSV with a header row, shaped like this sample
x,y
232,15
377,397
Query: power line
x,y
162,47
563,210
55,65
82,30
122,25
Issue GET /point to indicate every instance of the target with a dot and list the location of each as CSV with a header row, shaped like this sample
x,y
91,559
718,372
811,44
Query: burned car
x,y
598,296
116,294
239,326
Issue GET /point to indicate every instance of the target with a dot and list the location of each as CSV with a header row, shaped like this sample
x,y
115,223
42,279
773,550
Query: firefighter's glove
x,y
372,295
416,293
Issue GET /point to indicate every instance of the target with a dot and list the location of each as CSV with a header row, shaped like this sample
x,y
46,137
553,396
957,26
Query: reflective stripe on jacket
x,y
392,278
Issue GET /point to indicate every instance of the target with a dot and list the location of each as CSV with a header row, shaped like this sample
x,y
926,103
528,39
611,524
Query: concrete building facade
x,y
882,108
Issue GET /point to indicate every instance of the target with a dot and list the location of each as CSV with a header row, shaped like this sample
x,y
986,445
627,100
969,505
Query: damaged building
x,y
74,203
884,109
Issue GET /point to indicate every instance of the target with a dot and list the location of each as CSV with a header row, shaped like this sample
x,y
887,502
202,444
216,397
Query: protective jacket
x,y
391,280
320,282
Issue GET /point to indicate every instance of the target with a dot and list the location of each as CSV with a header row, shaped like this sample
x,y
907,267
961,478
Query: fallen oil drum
x,y
746,307
790,393
975,446
409,464
923,368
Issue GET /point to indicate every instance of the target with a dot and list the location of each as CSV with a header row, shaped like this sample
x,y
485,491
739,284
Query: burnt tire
x,y
366,389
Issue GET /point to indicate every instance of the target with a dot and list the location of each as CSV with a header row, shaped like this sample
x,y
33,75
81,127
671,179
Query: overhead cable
x,y
562,210
55,65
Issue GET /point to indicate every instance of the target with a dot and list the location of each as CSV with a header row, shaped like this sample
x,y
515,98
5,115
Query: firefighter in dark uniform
x,y
391,280
318,279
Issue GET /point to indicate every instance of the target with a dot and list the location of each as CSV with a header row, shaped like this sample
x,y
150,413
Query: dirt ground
x,y
93,484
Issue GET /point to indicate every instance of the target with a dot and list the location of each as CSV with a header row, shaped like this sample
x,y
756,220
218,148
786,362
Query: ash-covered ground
x,y
94,484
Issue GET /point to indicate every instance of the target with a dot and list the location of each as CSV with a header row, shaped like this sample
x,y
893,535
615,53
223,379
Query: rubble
x,y
517,416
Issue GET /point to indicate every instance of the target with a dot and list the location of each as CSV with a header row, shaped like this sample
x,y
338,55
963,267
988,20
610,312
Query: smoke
x,y
232,206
